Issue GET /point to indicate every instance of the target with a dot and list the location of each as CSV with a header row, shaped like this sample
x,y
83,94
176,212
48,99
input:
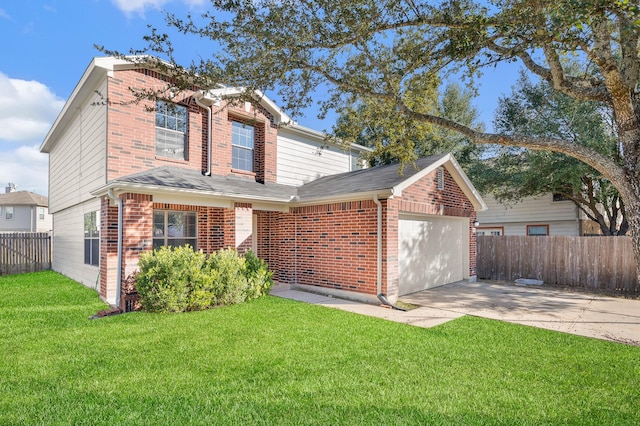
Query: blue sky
x,y
47,45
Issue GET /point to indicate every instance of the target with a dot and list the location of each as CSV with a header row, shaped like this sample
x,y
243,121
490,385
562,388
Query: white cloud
x,y
129,7
27,110
4,14
26,167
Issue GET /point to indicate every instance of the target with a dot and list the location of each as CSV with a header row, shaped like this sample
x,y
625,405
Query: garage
x,y
432,251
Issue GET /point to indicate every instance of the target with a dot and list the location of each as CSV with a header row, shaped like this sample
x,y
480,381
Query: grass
x,y
276,361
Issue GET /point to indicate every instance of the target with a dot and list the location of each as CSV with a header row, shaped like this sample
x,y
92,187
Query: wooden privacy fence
x,y
603,263
24,252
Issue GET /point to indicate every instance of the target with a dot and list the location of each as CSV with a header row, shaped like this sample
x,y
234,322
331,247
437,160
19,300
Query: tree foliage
x,y
377,48
395,137
538,110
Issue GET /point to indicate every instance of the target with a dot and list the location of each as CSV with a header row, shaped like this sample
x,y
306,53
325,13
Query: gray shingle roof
x,y
365,180
23,198
350,183
191,180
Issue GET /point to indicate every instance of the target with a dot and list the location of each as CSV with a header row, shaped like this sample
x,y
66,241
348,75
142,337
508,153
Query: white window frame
x,y
9,213
161,235
92,238
171,130
41,213
243,140
538,225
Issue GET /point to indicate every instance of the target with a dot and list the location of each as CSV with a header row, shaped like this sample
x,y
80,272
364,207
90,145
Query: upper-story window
x,y
242,141
8,213
41,213
171,130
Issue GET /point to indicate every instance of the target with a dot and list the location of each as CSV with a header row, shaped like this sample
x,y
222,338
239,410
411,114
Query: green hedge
x,y
181,279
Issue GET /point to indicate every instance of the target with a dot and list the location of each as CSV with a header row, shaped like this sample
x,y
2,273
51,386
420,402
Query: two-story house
x,y
24,211
125,177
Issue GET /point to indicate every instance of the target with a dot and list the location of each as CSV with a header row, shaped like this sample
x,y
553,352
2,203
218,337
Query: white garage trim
x,y
433,250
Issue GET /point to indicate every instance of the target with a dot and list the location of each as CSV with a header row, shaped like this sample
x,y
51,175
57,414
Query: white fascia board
x,y
459,176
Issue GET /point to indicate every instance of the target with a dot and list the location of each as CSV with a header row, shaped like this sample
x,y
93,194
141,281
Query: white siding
x,y
21,222
68,244
303,158
77,161
561,216
25,219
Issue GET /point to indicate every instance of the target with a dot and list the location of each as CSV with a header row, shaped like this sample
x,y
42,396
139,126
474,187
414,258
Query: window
x,y
242,146
8,213
171,130
537,230
440,178
41,213
92,238
490,231
356,162
174,228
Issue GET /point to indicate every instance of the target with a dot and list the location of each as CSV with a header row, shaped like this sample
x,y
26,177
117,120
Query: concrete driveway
x,y
583,314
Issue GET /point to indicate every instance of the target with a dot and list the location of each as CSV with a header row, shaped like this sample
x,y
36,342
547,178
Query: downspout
x,y
118,200
209,128
381,297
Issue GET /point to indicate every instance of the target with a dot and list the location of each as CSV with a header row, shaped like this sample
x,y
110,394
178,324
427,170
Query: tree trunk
x,y
633,211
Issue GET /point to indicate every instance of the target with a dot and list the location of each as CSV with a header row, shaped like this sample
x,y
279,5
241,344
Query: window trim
x,y
184,133
538,225
8,209
165,237
94,258
41,213
234,167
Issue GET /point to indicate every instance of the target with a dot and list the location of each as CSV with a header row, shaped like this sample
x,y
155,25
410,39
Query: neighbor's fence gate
x,y
24,252
604,263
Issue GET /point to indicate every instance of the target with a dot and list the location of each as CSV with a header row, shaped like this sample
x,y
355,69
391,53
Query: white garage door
x,y
432,251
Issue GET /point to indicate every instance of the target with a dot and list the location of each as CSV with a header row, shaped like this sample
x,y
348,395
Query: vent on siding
x,y
440,178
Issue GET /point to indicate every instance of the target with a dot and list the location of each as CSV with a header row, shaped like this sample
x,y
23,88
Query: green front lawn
x,y
276,361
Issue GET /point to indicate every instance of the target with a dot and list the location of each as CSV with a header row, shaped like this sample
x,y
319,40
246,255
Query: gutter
x,y
209,114
118,200
381,297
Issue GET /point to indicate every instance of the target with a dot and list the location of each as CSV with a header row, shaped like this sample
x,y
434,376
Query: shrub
x,y
174,280
181,279
259,277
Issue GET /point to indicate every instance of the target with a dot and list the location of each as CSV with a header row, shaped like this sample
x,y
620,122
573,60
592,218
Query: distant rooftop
x,y
23,198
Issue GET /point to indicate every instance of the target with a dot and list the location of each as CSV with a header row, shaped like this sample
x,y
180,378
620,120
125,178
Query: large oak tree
x,y
377,48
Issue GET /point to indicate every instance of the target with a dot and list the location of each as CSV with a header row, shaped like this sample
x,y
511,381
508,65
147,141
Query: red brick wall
x,y
335,245
330,246
265,149
108,247
137,229
131,132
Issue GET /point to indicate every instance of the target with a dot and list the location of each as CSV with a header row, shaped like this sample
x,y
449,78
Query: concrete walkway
x,y
600,317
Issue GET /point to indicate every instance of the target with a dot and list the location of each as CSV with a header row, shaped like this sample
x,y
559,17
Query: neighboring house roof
x,y
23,198
383,181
